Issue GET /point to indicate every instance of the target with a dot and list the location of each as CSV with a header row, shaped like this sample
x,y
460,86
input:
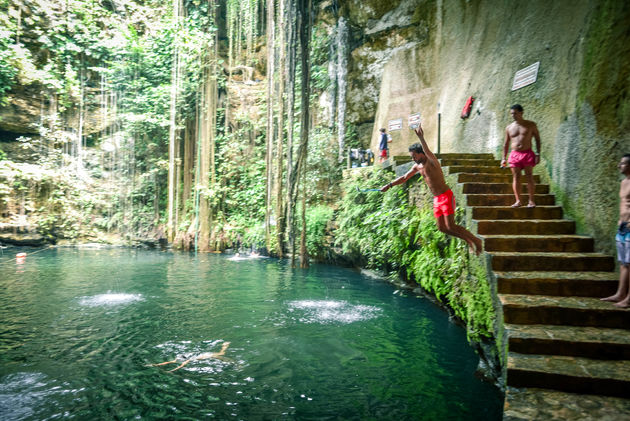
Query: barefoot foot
x,y
612,298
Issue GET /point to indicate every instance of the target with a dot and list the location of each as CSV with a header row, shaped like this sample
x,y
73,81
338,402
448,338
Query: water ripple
x,y
328,311
110,299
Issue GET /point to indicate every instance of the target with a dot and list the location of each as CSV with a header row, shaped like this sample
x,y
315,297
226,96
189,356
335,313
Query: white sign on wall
x,y
395,124
525,76
414,120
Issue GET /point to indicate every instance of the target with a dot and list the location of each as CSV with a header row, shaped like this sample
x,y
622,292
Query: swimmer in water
x,y
206,355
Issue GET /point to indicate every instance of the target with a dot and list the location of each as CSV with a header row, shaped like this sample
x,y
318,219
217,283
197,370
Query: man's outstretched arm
x,y
425,147
401,179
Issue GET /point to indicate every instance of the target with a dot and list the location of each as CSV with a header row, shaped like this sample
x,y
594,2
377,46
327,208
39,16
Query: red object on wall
x,y
468,107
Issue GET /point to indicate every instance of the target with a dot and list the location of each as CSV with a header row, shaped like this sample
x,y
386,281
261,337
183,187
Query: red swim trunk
x,y
444,204
383,153
522,159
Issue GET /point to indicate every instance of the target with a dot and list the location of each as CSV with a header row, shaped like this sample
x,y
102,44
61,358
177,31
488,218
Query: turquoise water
x,y
80,329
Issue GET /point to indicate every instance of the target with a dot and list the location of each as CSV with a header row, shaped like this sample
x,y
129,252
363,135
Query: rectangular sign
x,y
414,120
525,76
395,124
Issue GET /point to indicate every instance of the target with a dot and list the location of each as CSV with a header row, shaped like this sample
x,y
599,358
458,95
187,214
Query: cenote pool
x,y
80,330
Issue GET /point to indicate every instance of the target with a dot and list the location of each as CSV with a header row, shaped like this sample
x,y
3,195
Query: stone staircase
x,y
569,352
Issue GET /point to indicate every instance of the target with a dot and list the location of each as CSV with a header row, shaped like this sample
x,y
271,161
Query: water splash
x,y
328,311
110,299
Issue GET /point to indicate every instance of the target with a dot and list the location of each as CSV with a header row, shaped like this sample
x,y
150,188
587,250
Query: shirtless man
x,y
427,165
622,296
206,355
518,136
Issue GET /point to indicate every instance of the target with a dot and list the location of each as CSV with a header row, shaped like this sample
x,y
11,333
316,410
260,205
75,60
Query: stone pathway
x,y
569,352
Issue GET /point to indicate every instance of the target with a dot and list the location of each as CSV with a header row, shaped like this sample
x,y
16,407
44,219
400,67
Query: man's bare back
x,y
624,202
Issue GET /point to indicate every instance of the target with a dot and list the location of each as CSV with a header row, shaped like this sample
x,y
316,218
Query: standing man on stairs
x,y
518,136
622,296
428,166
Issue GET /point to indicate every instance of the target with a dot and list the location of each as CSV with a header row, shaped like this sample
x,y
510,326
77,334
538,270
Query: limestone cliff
x,y
420,53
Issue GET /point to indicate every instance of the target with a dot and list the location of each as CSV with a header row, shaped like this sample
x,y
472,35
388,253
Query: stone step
x,y
506,199
540,261
532,243
473,169
491,178
569,284
525,227
569,311
507,212
469,162
577,341
500,188
569,374
465,156
544,404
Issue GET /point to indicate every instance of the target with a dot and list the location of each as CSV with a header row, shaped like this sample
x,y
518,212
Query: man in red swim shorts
x,y
518,136
427,165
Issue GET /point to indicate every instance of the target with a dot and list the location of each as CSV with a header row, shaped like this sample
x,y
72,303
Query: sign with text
x,y
395,124
525,76
414,121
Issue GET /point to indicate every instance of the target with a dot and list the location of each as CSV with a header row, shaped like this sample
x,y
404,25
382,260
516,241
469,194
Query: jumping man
x,y
518,136
427,165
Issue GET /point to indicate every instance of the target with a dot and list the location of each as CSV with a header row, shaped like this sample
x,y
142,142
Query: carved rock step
x,y
506,199
525,227
507,212
536,261
569,311
469,162
482,156
532,243
569,284
500,188
477,169
543,404
577,341
491,178
570,374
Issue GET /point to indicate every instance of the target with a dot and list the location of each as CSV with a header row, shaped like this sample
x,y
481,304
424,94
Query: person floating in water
x,y
622,297
205,356
427,165
518,136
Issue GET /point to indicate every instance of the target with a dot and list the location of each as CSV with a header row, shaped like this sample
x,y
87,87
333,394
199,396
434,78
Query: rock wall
x,y
421,53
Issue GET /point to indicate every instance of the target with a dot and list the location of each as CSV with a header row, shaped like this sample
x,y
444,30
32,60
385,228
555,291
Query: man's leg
x,y
622,288
531,186
516,185
446,224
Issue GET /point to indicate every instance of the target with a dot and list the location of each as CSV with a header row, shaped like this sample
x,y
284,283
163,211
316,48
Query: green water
x,y
79,329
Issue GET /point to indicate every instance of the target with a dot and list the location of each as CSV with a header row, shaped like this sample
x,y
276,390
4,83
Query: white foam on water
x,y
238,257
110,299
328,311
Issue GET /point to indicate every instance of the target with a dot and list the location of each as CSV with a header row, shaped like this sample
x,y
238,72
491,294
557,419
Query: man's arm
x,y
506,147
537,138
425,147
401,179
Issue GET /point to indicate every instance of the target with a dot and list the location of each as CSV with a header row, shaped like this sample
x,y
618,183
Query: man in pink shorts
x,y
518,137
427,165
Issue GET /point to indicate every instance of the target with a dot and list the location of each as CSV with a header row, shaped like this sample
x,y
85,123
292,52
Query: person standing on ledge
x,y
518,137
383,147
427,165
622,296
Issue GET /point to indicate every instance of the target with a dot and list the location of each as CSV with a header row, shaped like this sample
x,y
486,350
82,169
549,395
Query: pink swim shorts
x,y
522,159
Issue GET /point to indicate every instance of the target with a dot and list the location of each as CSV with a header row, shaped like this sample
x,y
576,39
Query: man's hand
x,y
386,187
537,159
419,131
503,163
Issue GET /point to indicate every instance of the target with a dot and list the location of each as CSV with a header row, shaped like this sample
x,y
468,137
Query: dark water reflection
x,y
80,327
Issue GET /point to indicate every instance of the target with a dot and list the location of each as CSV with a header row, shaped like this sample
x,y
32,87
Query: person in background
x,y
383,147
518,137
427,165
621,298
